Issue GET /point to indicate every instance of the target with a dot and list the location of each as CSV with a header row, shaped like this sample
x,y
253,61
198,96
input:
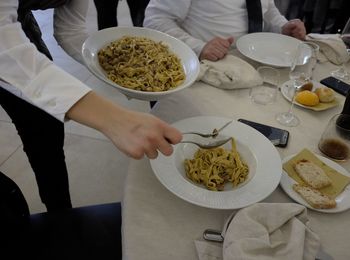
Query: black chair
x,y
91,232
319,16
325,16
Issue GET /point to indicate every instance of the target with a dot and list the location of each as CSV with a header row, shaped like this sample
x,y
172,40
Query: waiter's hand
x,y
138,134
135,134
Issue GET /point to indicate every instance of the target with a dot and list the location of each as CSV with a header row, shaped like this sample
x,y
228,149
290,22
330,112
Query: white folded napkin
x,y
264,231
229,73
331,46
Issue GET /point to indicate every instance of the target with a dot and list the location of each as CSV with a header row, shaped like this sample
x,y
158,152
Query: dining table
x,y
158,225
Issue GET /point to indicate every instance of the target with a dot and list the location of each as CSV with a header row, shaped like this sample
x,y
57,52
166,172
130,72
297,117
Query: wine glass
x,y
303,63
342,73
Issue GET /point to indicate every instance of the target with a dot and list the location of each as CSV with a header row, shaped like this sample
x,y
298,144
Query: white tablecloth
x,y
159,225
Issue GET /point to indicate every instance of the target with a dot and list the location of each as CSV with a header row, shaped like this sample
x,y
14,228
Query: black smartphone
x,y
339,86
279,137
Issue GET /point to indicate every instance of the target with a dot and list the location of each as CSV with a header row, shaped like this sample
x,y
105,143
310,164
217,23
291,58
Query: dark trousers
x,y
42,135
107,12
137,11
43,138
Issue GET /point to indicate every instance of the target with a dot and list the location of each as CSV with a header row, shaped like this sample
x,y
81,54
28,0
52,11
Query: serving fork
x,y
212,134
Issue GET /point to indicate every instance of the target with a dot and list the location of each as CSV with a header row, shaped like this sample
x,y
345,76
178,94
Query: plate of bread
x,y
315,96
316,182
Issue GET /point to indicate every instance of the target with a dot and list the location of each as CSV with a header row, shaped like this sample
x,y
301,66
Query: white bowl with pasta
x,y
97,48
254,149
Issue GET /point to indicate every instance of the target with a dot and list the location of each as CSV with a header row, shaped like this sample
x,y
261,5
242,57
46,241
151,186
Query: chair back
x,y
14,211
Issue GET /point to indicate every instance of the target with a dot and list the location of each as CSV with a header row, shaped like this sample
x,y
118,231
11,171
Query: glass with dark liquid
x,y
335,140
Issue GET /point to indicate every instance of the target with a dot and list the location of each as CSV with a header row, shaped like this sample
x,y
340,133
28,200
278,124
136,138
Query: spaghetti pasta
x,y
215,167
141,64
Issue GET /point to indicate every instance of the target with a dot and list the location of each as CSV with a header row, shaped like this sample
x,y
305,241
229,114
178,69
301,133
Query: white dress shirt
x,y
30,74
198,21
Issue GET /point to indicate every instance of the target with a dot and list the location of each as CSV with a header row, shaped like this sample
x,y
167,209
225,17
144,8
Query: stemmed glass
x,y
303,62
342,73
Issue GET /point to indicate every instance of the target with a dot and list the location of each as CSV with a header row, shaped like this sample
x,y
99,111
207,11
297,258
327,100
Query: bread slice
x,y
315,198
312,174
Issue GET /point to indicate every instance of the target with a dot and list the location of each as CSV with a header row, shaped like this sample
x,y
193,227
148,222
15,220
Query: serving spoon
x,y
209,145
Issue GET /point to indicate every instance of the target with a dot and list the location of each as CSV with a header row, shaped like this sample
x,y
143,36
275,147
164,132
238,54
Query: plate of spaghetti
x,y
240,173
141,63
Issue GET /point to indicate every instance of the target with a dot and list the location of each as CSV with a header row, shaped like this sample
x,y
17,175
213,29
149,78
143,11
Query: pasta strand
x,y
215,167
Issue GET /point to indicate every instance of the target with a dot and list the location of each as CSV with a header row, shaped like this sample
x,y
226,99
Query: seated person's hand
x,y
294,28
216,49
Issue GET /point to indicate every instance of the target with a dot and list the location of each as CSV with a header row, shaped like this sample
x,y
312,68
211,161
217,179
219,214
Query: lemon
x,y
307,98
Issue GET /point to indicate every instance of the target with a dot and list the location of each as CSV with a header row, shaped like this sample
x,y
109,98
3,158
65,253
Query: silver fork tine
x,y
221,128
209,145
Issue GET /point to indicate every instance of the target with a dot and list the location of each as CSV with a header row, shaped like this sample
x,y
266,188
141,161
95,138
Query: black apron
x,y
29,24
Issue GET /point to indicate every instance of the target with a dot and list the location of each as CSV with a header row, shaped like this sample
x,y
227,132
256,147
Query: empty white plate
x,y
268,48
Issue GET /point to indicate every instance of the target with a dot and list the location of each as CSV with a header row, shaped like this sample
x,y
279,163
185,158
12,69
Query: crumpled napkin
x,y
332,47
229,73
264,231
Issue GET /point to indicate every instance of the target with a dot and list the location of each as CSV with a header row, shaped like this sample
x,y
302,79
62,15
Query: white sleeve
x,y
70,27
31,73
166,16
273,20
